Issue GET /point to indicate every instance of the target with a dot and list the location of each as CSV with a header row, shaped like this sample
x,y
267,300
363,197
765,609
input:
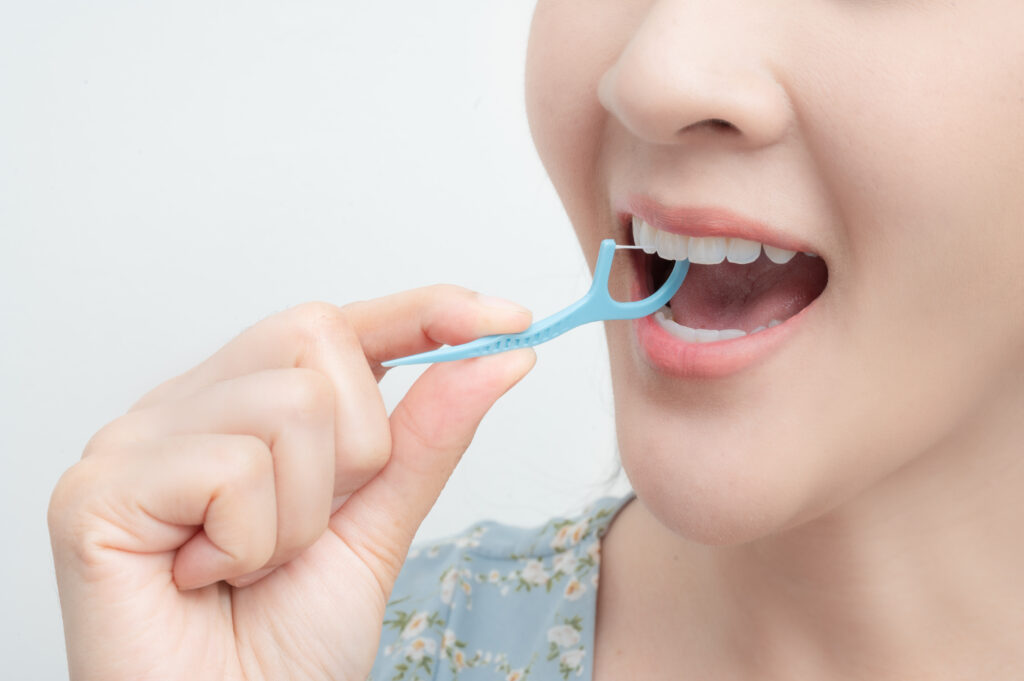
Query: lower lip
x,y
717,359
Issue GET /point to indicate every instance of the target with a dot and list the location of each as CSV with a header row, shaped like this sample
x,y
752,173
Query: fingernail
x,y
500,303
246,580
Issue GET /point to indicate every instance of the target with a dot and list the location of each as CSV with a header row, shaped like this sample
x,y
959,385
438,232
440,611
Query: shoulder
x,y
496,600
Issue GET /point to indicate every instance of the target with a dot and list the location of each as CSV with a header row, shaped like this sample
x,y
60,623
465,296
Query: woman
x,y
833,496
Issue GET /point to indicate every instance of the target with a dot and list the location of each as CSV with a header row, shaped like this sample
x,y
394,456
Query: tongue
x,y
731,296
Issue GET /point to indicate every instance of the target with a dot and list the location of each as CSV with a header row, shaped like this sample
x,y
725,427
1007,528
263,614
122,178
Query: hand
x,y
248,518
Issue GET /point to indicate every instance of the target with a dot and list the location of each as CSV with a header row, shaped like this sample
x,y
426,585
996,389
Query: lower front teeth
x,y
685,333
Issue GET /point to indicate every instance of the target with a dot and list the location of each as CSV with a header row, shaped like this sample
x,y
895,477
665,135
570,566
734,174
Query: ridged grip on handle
x,y
540,332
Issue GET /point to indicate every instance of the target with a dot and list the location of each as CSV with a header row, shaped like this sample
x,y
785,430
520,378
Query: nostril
x,y
713,123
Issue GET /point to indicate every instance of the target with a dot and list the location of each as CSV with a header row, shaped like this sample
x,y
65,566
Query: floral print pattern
x,y
498,603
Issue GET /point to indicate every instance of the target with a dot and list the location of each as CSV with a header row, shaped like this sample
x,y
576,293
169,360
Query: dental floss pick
x,y
596,305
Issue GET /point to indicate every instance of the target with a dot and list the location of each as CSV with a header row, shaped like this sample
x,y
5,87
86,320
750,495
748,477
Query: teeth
x,y
679,248
684,333
643,236
743,252
707,250
671,246
647,238
706,335
779,256
688,335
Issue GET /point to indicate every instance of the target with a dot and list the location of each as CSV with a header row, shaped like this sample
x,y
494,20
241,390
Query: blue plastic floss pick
x,y
597,305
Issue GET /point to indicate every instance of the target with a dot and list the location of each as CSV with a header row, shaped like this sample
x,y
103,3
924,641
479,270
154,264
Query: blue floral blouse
x,y
499,603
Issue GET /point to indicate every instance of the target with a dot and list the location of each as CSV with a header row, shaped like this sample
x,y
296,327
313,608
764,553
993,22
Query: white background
x,y
170,173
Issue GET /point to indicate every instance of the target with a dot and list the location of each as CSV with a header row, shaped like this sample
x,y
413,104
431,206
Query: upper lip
x,y
706,221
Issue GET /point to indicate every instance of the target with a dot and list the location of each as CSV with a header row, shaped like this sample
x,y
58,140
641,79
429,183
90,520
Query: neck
x,y
918,577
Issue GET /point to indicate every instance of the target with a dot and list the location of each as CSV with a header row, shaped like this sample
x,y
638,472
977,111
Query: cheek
x,y
923,157
571,45
915,149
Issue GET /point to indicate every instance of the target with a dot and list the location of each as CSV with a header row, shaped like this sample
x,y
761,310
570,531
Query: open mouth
x,y
734,287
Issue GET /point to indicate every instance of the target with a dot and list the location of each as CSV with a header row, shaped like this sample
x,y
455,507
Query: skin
x,y
848,507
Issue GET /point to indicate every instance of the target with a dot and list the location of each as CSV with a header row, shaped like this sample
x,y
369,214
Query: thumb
x,y
430,429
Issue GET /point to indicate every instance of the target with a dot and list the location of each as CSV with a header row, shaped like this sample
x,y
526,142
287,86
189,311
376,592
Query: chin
x,y
718,485
710,500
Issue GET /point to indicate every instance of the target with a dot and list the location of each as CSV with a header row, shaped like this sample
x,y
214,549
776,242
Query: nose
x,y
697,67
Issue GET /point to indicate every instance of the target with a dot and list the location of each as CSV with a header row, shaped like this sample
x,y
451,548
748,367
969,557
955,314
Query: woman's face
x,y
885,137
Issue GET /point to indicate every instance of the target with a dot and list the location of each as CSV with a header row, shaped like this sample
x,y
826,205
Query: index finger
x,y
322,336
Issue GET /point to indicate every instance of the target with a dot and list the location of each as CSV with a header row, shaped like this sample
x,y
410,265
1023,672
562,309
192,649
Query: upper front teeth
x,y
742,251
707,250
703,250
779,256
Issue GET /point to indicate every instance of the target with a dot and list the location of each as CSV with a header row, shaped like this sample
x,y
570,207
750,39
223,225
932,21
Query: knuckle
x,y
107,439
315,309
64,497
307,394
249,460
370,454
67,517
318,322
